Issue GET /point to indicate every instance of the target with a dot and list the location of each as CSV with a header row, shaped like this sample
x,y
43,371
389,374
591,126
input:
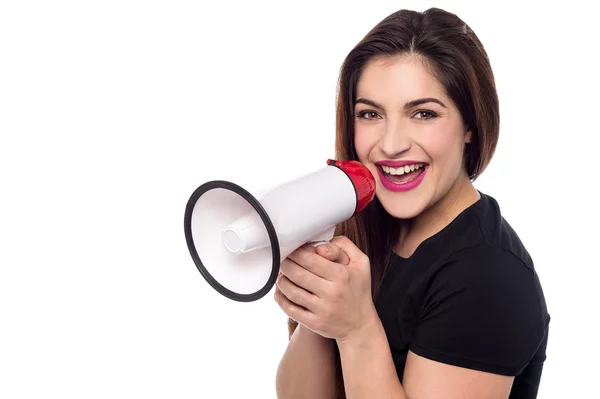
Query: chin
x,y
407,208
402,204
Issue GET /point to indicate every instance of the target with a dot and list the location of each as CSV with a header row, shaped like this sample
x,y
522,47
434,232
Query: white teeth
x,y
402,169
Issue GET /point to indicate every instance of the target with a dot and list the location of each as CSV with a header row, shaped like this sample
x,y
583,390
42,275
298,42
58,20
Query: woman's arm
x,y
307,368
367,364
483,320
369,372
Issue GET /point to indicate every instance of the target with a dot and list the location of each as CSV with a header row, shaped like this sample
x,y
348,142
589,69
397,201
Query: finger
x,y
309,247
315,263
292,310
333,253
303,278
354,253
297,294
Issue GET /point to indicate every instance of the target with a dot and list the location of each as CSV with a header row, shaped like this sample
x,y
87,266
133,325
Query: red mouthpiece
x,y
362,180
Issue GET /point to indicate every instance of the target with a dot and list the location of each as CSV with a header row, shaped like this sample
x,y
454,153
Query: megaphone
x,y
238,240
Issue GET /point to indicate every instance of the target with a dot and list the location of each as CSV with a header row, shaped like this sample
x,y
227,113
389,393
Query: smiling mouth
x,y
402,174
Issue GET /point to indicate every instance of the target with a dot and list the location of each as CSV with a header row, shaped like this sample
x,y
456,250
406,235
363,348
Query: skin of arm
x,y
307,368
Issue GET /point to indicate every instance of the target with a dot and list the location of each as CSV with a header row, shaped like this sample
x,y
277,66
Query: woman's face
x,y
409,134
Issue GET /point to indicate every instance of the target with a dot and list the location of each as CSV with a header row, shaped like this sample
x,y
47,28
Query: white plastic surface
x,y
246,233
244,273
303,210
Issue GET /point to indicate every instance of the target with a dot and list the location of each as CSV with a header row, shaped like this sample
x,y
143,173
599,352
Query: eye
x,y
425,115
369,115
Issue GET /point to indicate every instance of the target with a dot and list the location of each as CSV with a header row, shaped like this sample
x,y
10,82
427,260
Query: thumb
x,y
333,253
349,248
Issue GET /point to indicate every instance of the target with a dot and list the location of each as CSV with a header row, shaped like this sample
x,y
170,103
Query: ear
x,y
468,134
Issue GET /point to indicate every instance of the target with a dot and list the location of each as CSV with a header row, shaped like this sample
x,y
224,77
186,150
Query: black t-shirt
x,y
469,296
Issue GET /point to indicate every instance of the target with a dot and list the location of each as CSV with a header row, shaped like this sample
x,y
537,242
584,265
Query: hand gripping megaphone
x,y
238,241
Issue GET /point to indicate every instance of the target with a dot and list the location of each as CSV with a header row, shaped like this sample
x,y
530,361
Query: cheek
x,y
445,152
364,142
444,147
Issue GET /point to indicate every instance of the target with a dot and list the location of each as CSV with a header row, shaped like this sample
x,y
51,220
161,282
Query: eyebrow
x,y
409,104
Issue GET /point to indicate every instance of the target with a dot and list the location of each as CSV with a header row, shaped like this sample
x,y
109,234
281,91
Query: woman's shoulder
x,y
490,304
496,232
483,248
490,268
487,270
482,232
486,261
491,309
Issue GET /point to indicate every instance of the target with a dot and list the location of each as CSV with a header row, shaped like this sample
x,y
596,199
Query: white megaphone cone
x,y
237,241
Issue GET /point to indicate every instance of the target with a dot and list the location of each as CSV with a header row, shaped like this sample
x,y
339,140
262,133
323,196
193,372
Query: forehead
x,y
400,78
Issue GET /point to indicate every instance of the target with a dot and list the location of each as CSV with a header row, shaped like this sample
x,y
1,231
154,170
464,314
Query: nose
x,y
394,141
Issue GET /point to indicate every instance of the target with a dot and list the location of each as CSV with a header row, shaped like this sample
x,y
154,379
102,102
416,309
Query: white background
x,y
113,112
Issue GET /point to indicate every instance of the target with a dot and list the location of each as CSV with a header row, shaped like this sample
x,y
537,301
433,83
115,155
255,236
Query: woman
x,y
428,293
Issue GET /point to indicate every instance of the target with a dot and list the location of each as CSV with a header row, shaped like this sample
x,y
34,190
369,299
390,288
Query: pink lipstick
x,y
400,185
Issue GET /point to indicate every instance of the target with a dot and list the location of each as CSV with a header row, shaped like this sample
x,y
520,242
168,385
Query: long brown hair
x,y
458,60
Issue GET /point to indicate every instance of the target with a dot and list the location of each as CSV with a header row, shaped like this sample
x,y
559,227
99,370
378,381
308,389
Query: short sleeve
x,y
482,309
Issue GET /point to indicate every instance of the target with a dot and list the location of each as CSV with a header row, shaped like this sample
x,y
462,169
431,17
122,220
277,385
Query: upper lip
x,y
397,164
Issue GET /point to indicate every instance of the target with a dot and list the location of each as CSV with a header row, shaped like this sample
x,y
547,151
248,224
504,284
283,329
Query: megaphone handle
x,y
323,238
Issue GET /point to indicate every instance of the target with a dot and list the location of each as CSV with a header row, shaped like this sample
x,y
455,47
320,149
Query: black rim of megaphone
x,y
264,217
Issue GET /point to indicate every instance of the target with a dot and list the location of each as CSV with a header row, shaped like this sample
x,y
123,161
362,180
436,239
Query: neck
x,y
462,195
